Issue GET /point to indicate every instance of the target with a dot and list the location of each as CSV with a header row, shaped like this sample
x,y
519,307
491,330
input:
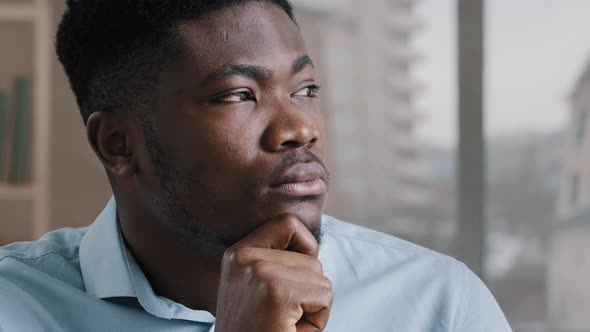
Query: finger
x,y
272,271
316,302
249,255
304,326
285,233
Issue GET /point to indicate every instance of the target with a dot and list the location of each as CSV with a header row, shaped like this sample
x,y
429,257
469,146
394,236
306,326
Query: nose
x,y
291,127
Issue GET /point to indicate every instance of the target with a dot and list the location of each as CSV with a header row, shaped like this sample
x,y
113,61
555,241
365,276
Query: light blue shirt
x,y
86,280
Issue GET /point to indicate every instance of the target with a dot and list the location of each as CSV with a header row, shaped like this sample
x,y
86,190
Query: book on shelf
x,y
3,133
19,172
9,132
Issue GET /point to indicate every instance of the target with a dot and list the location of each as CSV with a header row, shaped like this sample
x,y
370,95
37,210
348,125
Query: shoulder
x,y
63,242
363,239
369,255
55,255
359,257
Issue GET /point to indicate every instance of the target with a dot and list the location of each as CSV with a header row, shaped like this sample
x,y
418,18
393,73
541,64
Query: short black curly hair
x,y
112,50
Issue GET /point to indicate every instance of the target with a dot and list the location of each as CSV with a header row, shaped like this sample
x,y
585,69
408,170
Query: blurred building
x,y
523,185
440,163
569,263
363,50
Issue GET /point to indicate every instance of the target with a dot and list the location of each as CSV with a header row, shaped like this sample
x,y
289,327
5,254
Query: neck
x,y
173,271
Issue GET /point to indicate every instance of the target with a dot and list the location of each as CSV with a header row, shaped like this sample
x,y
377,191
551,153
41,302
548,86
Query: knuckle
x,y
317,265
290,222
328,284
274,291
330,298
325,296
229,255
259,268
241,255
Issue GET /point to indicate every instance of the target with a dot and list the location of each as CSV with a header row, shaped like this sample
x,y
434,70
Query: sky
x,y
535,52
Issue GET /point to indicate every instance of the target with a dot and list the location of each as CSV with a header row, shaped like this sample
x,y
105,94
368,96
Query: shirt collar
x,y
102,257
110,271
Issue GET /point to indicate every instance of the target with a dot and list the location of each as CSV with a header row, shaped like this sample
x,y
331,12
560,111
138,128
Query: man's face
x,y
236,137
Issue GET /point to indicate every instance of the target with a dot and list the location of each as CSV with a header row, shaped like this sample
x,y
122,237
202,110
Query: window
x,y
581,124
575,190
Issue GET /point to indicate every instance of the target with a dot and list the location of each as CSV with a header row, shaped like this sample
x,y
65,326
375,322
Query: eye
x,y
236,97
309,91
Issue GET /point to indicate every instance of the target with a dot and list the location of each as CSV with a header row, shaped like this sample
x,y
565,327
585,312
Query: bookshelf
x,y
64,184
33,21
16,192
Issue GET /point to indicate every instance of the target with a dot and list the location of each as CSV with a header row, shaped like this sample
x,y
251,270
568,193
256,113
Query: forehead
x,y
257,33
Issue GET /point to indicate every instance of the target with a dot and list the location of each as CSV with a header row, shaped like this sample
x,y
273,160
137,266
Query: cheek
x,y
218,147
236,148
234,136
323,142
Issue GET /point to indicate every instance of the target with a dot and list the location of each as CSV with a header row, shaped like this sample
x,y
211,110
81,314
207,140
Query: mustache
x,y
300,157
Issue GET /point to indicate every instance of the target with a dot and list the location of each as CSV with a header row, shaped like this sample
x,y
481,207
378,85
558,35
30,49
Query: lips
x,y
304,179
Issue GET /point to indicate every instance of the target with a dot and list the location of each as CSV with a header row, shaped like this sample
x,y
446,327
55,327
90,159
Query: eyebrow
x,y
257,73
301,63
254,72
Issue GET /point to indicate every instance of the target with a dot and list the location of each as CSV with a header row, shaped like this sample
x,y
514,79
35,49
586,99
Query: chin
x,y
308,211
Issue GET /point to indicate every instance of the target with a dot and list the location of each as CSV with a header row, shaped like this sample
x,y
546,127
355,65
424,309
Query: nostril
x,y
290,144
296,143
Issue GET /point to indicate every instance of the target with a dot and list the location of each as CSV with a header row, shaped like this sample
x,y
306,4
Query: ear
x,y
113,138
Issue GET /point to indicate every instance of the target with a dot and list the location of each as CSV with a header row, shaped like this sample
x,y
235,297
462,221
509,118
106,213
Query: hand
x,y
272,281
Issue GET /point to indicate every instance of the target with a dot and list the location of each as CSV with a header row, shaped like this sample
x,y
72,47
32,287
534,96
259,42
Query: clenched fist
x,y
272,281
